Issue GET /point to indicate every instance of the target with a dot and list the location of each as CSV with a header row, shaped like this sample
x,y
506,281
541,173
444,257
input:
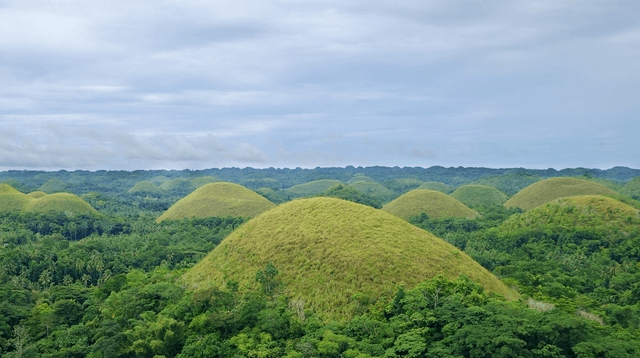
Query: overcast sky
x,y
203,84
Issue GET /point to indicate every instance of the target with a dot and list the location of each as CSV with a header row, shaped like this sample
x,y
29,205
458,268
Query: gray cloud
x,y
140,84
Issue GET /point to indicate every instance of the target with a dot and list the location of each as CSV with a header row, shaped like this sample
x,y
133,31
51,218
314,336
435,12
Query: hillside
x,y
632,188
312,188
37,194
218,199
144,188
374,189
433,203
479,195
60,202
328,249
13,202
550,189
437,186
7,189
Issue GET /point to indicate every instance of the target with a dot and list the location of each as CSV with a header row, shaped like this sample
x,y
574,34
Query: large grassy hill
x,y
433,203
550,189
326,250
218,199
479,195
60,202
311,188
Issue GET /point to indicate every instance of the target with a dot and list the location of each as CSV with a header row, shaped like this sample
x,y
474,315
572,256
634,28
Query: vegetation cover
x,y
550,189
7,189
632,188
376,190
312,188
54,186
433,203
218,199
145,188
37,194
13,202
60,202
437,186
328,250
473,195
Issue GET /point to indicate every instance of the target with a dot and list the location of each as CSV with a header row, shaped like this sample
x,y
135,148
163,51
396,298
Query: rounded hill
x,y
437,186
37,194
433,203
7,189
218,199
145,187
311,188
326,250
374,189
473,195
554,188
60,202
13,202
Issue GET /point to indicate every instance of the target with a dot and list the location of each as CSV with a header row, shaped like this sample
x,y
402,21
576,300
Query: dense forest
x,y
111,284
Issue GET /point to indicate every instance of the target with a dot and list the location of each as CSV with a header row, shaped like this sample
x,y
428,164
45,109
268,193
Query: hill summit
x,y
433,203
218,199
326,250
548,190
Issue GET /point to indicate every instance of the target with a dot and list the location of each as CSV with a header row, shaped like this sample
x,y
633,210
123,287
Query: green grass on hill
x,y
200,181
37,194
60,202
312,188
550,189
632,188
175,184
360,178
327,250
575,211
145,187
13,202
53,186
510,183
437,186
402,185
7,189
479,195
374,189
218,199
433,203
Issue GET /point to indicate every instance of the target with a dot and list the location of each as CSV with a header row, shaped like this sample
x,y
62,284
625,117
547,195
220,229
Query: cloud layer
x,y
196,84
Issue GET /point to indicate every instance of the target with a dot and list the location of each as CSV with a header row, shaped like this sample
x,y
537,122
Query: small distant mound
x,y
178,184
632,188
475,196
437,186
145,188
326,250
311,188
433,203
276,197
218,199
37,194
401,185
158,179
200,181
13,201
8,189
360,178
60,202
53,186
374,189
583,211
550,189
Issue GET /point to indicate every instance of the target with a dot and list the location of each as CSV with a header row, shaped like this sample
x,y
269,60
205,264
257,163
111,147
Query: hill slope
x,y
437,186
7,189
433,203
328,249
315,187
550,189
13,202
479,195
218,199
60,202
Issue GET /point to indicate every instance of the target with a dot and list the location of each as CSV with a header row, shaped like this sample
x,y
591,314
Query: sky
x,y
192,84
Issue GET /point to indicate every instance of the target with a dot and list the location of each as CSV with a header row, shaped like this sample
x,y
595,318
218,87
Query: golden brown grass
x,y
218,199
433,203
550,189
328,249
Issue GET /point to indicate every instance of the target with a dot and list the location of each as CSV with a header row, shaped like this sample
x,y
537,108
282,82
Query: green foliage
x,y
60,202
312,188
437,186
375,190
348,193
